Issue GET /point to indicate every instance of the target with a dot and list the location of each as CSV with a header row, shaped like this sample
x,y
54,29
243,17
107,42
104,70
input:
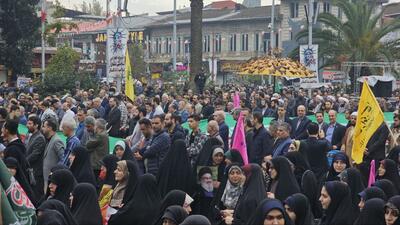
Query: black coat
x,y
177,134
35,148
315,151
301,132
376,144
17,150
262,145
114,122
338,134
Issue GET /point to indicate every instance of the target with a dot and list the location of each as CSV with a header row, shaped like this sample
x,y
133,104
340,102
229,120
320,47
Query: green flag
x,y
7,215
21,205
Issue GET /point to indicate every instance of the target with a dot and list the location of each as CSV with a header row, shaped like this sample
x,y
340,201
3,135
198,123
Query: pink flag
x,y
236,100
371,179
239,139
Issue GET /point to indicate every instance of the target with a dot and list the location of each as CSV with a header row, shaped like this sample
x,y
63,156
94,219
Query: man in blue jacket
x,y
262,140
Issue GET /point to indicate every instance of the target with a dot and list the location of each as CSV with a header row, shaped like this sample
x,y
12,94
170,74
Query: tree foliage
x,y
19,27
137,61
93,8
62,73
360,37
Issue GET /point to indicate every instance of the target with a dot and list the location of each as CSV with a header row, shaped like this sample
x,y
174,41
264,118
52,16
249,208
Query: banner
x,y
309,57
20,203
116,46
239,139
129,86
370,118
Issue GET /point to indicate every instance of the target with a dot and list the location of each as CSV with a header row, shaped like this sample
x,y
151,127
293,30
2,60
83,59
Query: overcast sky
x,y
151,6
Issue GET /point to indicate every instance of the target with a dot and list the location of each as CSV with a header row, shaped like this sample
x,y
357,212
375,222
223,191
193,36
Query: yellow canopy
x,y
281,67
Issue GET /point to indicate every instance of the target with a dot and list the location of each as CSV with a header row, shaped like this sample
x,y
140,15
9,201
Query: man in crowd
x,y
158,147
262,141
283,142
71,142
219,116
174,128
334,132
53,154
300,123
213,131
138,150
114,118
69,115
97,105
321,124
35,144
196,139
97,146
80,116
315,151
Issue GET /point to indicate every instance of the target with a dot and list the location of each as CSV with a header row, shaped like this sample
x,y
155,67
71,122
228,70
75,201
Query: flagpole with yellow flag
x,y
369,119
129,86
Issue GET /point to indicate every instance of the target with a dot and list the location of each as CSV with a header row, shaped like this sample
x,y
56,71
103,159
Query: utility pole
x,y
272,27
310,21
43,18
174,40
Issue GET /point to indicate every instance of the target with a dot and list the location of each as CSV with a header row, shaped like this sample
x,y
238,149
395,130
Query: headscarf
x,y
65,182
387,187
394,202
51,217
253,193
175,213
54,204
12,162
175,172
264,208
124,190
174,197
309,187
110,163
196,220
205,155
81,167
232,191
287,183
85,205
332,174
339,211
300,164
127,153
300,205
391,173
372,192
353,178
145,203
373,213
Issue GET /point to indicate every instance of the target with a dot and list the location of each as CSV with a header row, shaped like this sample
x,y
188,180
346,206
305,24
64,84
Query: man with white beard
x,y
204,193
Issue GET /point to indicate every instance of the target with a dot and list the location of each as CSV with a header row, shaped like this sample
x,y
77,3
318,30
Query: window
x,y
232,43
244,39
157,45
217,43
266,42
206,43
187,44
168,45
294,9
257,42
327,7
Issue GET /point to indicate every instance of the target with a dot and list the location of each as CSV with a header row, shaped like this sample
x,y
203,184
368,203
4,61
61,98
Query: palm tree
x,y
359,37
196,44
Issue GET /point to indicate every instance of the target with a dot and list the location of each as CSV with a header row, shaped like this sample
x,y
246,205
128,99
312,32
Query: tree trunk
x,y
196,44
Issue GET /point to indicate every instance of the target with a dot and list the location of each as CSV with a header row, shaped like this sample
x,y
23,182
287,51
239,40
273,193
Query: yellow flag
x,y
129,86
369,119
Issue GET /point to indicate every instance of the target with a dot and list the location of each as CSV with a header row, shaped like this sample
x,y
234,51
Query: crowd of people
x,y
298,172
